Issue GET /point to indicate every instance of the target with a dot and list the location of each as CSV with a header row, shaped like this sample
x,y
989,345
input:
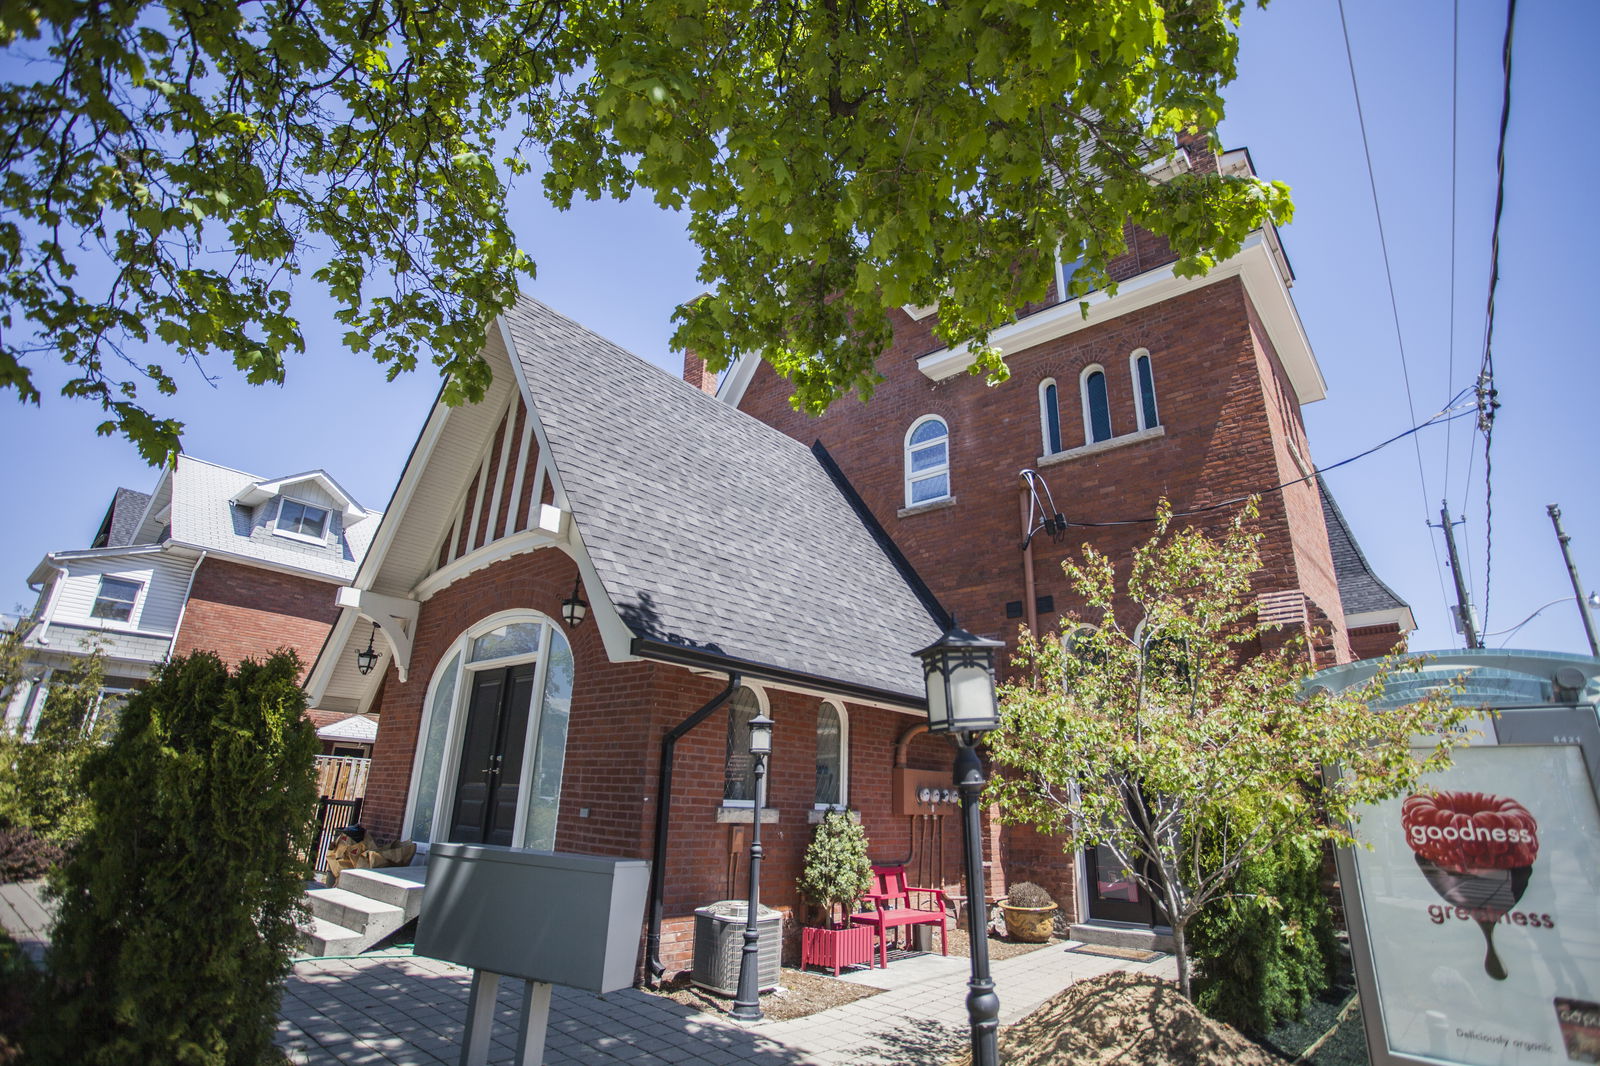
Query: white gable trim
x,y
737,379
396,618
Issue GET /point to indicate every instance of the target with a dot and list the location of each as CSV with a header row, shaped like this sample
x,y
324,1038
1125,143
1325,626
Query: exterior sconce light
x,y
574,609
366,660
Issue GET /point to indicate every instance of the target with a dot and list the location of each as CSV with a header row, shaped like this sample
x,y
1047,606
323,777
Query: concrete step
x,y
354,911
325,939
1122,936
398,886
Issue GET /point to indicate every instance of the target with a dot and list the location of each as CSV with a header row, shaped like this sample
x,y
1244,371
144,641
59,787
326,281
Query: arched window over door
x,y
493,742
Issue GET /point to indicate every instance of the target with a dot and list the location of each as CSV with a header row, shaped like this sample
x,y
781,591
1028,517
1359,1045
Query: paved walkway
x,y
401,1010
408,1011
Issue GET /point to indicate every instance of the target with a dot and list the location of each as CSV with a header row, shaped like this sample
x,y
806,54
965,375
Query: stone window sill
x,y
1102,446
924,508
745,815
818,813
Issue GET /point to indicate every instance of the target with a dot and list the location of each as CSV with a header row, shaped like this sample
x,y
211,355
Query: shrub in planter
x,y
1029,912
835,872
1266,947
178,905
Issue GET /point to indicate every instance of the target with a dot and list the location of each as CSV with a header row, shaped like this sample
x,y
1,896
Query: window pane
x,y
116,599
738,775
1052,421
296,517
929,457
930,488
830,756
1147,392
933,429
433,752
1099,407
550,758
518,638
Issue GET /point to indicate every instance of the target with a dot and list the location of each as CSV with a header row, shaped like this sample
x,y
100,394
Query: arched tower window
x,y
1050,416
1096,405
927,461
1144,389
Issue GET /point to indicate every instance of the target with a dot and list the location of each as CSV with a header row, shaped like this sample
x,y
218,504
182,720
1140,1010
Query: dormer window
x,y
302,521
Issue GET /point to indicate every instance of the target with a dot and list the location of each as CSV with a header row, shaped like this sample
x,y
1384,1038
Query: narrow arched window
x,y
832,746
1050,416
1144,390
1096,405
927,461
738,771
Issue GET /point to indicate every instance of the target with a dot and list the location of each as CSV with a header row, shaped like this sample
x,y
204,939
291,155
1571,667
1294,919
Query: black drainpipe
x,y
658,864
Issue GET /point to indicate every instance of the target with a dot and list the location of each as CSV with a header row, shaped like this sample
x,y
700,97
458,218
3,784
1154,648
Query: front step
x,y
1122,936
365,907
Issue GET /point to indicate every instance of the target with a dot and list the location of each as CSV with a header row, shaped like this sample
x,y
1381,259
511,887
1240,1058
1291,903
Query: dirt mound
x,y
1122,1019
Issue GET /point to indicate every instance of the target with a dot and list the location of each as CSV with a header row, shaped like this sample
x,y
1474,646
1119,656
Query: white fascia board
x,y
614,632
58,560
1254,265
255,561
731,390
421,452
1399,616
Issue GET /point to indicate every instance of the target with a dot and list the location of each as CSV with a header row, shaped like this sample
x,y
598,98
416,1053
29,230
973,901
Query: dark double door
x,y
489,775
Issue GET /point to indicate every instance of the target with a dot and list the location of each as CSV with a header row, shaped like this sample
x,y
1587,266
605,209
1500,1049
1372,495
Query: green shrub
x,y
1264,950
39,786
178,906
26,856
836,870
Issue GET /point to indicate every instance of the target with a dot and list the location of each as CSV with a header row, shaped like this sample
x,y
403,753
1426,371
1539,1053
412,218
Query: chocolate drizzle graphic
x,y
1477,851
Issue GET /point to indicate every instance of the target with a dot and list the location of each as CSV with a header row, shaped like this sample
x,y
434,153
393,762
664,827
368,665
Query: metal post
x,y
747,1004
1577,585
1469,625
983,1006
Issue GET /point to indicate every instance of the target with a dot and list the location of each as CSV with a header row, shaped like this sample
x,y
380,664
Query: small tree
x,y
177,909
1179,742
836,870
39,775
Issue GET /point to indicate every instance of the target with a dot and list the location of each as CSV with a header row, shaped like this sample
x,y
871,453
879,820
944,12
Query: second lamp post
x,y
747,1004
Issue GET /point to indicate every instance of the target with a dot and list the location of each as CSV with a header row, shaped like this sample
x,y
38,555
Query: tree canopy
x,y
170,171
1161,724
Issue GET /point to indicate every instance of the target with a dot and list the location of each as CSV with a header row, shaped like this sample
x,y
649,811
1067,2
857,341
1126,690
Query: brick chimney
x,y
696,374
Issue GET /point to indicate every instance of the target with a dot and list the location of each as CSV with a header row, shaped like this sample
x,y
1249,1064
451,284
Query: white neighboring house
x,y
214,559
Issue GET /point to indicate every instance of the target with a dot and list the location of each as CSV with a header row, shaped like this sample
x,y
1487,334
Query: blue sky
x,y
621,268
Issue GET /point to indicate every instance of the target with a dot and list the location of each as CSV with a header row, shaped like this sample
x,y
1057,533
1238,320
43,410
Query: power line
x,y
1394,305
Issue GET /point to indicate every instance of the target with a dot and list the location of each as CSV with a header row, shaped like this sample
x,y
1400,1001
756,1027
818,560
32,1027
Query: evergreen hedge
x,y
1267,948
178,907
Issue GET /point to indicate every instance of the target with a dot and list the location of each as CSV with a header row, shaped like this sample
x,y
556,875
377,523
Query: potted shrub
x,y
1030,913
834,876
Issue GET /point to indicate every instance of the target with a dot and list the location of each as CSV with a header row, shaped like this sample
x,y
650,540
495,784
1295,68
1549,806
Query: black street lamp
x,y
958,669
747,1004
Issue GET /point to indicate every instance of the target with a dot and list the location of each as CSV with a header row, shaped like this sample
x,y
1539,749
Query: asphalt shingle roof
x,y
122,520
710,530
1360,589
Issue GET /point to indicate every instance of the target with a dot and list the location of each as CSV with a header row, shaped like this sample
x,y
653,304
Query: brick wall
x,y
243,611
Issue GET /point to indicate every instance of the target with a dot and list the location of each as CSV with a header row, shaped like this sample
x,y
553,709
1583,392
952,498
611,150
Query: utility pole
x,y
1572,572
1464,611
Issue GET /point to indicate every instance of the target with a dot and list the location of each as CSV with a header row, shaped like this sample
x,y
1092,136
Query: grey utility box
x,y
564,919
719,945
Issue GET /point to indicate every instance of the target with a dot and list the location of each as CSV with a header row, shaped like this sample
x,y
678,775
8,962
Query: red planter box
x,y
836,948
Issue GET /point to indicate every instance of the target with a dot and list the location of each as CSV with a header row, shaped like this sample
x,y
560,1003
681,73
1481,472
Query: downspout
x,y
184,609
901,752
658,865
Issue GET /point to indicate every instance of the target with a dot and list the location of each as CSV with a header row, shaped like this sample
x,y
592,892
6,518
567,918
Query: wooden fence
x,y
342,778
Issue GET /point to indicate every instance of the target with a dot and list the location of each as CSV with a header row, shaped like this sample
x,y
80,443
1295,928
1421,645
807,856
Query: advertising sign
x,y
1482,910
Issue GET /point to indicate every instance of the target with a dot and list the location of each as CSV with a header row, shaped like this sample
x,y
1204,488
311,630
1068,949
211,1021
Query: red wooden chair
x,y
894,906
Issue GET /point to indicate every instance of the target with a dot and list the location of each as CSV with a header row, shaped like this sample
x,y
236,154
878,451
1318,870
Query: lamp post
x,y
958,670
747,1004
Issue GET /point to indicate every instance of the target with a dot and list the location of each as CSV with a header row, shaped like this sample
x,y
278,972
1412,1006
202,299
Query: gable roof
x,y
716,537
122,519
1367,600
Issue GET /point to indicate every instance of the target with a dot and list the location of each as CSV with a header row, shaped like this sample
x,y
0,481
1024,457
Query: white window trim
x,y
132,621
451,758
844,759
924,475
277,520
1044,418
765,706
1083,395
1138,391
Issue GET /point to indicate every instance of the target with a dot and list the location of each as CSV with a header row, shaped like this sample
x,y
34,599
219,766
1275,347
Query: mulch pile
x,y
1126,1020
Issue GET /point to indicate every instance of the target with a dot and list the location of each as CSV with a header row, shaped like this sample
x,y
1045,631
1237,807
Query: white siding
x,y
165,580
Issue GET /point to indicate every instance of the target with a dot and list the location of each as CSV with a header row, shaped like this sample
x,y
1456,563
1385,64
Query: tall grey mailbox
x,y
550,918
